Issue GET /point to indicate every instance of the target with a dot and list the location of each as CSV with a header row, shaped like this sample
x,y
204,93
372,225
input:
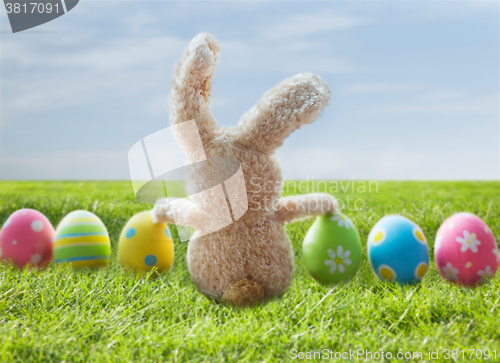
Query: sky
x,y
415,84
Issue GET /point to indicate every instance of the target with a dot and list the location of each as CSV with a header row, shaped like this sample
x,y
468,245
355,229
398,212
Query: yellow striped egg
x,y
82,240
145,245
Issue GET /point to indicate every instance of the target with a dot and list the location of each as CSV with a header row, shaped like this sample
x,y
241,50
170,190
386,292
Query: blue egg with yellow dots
x,y
397,250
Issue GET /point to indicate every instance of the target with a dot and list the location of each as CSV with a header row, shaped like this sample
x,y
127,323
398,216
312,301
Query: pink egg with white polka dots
x,y
27,237
465,250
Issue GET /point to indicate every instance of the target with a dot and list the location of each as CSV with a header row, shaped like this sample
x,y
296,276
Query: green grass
x,y
107,315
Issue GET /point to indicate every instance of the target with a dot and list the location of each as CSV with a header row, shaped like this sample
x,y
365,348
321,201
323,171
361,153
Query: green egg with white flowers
x,y
331,251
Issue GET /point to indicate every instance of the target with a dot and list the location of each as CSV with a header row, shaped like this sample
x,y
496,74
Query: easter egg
x,y
26,238
82,240
465,250
331,252
144,245
397,250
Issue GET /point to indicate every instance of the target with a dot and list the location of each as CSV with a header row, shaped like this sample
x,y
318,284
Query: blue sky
x,y
415,84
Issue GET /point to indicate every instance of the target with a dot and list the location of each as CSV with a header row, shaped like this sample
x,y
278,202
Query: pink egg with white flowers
x,y
27,237
465,250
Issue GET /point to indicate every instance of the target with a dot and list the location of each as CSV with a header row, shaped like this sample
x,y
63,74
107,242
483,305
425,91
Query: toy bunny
x,y
250,260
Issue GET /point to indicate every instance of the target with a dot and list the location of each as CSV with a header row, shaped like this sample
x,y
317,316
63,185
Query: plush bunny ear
x,y
294,102
190,97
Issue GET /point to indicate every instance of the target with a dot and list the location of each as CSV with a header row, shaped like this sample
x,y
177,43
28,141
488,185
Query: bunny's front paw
x,y
162,213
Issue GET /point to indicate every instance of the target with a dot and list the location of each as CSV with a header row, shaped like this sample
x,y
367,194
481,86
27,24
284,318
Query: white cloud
x,y
69,90
289,44
388,163
157,106
115,55
225,101
451,9
290,57
442,96
484,105
79,76
142,19
68,165
485,5
313,23
379,87
78,67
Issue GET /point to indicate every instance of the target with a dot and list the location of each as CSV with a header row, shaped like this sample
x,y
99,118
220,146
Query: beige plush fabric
x,y
251,259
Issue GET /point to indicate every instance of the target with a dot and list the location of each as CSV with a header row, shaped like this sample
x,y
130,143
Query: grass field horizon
x,y
60,314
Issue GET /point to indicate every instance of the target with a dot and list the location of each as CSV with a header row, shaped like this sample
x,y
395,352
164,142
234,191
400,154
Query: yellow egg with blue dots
x,y
144,245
